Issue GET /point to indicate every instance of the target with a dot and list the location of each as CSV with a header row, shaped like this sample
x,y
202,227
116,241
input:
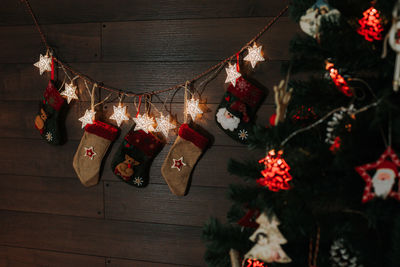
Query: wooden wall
x,y
47,218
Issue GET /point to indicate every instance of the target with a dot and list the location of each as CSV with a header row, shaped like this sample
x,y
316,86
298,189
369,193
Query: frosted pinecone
x,y
341,256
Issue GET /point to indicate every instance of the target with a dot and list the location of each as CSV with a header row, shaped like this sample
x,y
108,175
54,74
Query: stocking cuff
x,y
246,92
53,97
146,142
192,136
102,129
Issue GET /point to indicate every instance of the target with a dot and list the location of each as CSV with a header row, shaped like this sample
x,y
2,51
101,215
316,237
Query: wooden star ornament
x,y
382,183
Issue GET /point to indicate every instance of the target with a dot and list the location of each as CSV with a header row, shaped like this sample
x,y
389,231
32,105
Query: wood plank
x,y
113,262
72,42
206,39
37,156
156,203
23,82
129,240
17,120
23,257
13,12
50,195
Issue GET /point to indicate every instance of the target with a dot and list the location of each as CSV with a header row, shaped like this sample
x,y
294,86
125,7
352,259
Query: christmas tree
x,y
330,172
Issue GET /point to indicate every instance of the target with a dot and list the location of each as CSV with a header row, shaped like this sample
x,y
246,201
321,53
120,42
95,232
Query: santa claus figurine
x,y
384,178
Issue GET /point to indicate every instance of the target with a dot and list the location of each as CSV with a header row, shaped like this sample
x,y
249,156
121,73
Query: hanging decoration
x,y
44,64
394,41
192,108
232,74
249,219
338,79
144,123
69,92
164,125
276,173
268,240
88,118
371,25
254,263
337,118
381,184
119,114
282,98
341,255
310,22
254,55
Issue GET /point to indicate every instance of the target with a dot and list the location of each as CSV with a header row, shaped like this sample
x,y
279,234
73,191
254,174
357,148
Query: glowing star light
x,y
144,122
87,118
119,114
254,55
44,64
89,152
192,108
69,92
276,173
178,164
163,125
371,25
232,74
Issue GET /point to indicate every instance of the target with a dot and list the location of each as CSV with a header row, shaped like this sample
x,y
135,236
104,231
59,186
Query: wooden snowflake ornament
x,y
382,182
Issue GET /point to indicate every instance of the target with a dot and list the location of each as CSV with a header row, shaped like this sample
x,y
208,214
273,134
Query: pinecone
x,y
341,256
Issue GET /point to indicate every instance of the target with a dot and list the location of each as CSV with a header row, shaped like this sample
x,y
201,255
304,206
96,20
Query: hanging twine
x,y
175,87
312,259
92,97
185,115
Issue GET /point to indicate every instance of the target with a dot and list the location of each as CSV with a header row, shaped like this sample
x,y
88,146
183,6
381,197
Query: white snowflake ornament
x,y
44,64
232,74
119,114
243,134
192,108
254,55
69,92
49,137
138,181
87,118
144,123
163,125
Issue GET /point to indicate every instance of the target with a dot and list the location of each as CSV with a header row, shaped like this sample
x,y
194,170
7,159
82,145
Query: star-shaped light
x,y
87,118
89,152
178,164
144,122
44,64
232,74
254,55
69,92
163,125
119,114
192,108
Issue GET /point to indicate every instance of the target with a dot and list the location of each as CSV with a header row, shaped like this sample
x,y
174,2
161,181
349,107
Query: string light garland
x,y
87,118
164,125
254,55
371,25
232,74
44,64
276,173
144,123
69,92
119,114
132,94
253,263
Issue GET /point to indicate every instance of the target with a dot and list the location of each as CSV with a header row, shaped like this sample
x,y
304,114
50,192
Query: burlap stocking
x,y
182,157
92,148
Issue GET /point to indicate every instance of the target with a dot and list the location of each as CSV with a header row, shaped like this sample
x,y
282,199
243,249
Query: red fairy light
x,y
276,173
338,79
336,145
370,25
254,263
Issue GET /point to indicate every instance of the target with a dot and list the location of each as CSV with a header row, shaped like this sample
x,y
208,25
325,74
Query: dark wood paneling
x,y
73,42
41,159
120,239
156,203
112,262
23,82
17,124
183,40
50,195
13,12
22,257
